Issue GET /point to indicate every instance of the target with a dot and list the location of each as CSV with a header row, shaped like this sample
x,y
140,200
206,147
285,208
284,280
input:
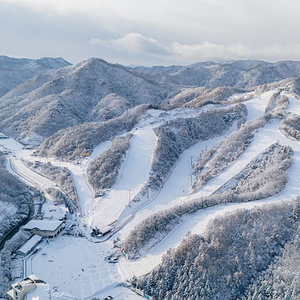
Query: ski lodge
x,y
46,228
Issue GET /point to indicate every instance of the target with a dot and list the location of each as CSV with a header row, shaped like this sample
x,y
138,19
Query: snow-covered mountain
x,y
255,161
97,91
91,91
14,71
243,73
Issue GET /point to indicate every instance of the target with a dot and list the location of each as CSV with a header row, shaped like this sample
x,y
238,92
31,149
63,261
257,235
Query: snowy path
x,y
256,106
262,140
135,170
83,190
178,185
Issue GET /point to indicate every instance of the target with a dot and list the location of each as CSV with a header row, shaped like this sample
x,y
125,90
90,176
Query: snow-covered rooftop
x,y
43,225
30,244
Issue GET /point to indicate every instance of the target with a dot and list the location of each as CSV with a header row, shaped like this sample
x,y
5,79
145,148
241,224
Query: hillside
x,y
97,91
91,91
15,71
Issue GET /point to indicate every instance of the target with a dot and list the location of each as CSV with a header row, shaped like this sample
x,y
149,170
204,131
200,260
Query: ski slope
x,y
131,179
134,172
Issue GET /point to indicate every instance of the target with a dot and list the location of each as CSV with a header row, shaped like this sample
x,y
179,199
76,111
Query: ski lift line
x,y
129,217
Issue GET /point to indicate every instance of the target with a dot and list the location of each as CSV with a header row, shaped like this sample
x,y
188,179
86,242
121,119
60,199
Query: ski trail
x,y
134,174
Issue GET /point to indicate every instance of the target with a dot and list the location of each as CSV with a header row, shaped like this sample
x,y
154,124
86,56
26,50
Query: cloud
x,y
221,52
123,31
209,51
134,44
51,6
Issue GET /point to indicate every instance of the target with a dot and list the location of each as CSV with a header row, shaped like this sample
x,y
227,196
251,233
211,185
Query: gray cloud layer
x,y
156,32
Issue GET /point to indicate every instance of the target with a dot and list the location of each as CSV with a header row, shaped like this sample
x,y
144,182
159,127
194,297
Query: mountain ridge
x,y
14,71
95,90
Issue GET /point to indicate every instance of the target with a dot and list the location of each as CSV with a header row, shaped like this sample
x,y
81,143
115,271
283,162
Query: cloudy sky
x,y
151,32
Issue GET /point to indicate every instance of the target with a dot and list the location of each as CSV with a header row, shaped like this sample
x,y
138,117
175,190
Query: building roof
x,y
44,225
3,136
41,292
54,213
34,240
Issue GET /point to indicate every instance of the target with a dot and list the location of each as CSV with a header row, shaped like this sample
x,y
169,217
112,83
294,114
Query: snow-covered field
x,y
78,266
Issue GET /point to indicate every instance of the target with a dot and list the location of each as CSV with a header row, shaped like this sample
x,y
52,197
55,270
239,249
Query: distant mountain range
x,y
242,73
41,97
14,71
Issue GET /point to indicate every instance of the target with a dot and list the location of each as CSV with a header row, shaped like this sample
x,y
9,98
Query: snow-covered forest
x,y
103,171
237,258
15,202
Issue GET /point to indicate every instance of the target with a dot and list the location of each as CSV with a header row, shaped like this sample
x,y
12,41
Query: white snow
x,y
77,266
132,177
256,106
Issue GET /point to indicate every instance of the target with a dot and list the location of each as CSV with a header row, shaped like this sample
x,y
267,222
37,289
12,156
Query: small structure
x,y
99,193
29,245
3,136
46,228
28,147
101,232
34,288
54,212
104,230
26,286
283,88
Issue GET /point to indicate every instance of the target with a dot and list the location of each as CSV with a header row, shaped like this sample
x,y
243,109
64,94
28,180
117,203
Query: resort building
x,y
46,228
22,288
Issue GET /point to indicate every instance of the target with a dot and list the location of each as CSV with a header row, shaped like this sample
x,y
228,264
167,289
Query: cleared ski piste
x,y
135,169
77,266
